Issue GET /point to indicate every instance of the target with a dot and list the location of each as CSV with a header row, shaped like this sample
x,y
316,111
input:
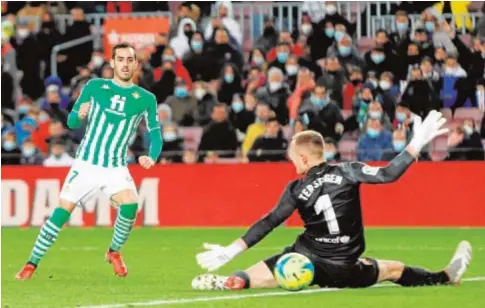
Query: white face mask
x,y
291,70
97,61
306,29
468,129
199,93
384,85
275,86
23,33
331,9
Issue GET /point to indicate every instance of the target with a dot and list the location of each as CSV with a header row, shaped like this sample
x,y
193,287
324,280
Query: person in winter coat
x,y
374,142
230,84
183,104
225,20
161,42
48,37
221,51
177,66
271,146
346,53
180,43
269,38
206,100
463,146
197,62
421,97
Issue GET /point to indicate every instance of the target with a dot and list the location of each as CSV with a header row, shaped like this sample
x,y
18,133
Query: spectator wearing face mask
x,y
222,52
197,61
325,110
403,117
320,41
346,54
423,39
58,156
275,94
173,144
263,113
283,51
331,152
255,79
380,61
354,84
284,38
360,107
419,94
300,124
97,62
454,85
25,127
30,154
376,112
334,80
58,132
464,146
402,37
409,60
269,38
10,150
388,94
176,66
225,20
48,37
183,104
257,58
180,43
206,100
291,71
240,116
430,75
230,84
28,59
374,142
55,102
399,142
333,17
219,135
271,146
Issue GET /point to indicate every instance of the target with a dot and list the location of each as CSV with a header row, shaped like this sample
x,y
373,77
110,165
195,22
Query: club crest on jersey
x,y
136,95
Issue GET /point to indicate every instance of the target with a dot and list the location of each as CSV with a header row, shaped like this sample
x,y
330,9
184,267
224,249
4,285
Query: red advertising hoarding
x,y
429,194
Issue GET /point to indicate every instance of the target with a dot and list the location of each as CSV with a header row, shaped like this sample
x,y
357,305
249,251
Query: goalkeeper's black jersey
x,y
328,201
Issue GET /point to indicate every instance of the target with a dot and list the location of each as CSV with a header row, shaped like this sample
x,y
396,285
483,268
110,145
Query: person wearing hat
x,y
183,104
58,156
269,38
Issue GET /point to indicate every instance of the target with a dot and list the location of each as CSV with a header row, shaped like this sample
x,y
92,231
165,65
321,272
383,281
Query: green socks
x,y
123,225
48,234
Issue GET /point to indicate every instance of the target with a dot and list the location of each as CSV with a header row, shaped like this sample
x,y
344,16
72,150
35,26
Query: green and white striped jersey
x,y
114,116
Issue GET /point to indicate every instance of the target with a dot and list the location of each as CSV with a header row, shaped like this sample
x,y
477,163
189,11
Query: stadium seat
x,y
347,149
447,114
469,113
192,136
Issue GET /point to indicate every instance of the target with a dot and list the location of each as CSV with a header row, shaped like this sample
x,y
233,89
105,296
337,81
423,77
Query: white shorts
x,y
84,180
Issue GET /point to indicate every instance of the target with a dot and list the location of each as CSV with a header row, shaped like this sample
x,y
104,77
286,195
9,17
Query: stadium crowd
x,y
247,103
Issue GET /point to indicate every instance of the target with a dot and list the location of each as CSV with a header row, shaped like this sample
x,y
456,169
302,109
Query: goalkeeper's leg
x,y
408,276
47,236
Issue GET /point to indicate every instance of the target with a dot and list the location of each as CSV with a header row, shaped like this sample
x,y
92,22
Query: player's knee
x,y
127,196
67,205
395,270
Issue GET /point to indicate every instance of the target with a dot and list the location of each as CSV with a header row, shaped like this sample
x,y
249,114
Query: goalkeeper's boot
x,y
209,282
27,272
460,262
119,267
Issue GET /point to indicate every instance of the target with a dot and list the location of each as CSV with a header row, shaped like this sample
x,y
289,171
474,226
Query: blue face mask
x,y
398,145
402,26
168,58
169,136
318,102
196,45
258,61
282,56
377,58
9,145
344,50
329,156
339,35
375,114
130,160
373,133
237,106
228,78
429,26
28,152
181,92
401,117
330,32
23,109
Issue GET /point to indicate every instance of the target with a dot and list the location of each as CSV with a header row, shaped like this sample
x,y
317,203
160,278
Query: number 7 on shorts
x,y
74,175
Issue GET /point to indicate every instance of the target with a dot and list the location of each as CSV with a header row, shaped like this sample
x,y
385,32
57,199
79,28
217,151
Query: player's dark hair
x,y
121,45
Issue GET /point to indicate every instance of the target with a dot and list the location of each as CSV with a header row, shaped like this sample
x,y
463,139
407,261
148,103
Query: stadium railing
x,y
57,48
388,22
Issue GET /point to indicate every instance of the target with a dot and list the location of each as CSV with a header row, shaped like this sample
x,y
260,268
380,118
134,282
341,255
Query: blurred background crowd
x,y
225,96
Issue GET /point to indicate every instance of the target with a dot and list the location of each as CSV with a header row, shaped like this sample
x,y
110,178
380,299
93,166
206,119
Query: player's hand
x,y
427,130
216,256
83,111
146,162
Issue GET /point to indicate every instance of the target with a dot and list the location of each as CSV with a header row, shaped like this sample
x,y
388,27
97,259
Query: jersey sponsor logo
x,y
327,178
370,170
118,103
344,239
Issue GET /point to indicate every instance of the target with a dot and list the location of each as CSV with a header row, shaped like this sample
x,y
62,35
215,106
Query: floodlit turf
x,y
162,263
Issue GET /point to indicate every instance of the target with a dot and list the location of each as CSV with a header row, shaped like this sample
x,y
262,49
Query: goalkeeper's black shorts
x,y
362,273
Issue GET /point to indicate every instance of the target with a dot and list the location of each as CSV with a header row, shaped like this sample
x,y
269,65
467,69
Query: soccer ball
x,y
294,271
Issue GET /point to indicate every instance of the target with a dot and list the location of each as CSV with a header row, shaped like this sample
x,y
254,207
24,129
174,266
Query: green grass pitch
x,y
162,264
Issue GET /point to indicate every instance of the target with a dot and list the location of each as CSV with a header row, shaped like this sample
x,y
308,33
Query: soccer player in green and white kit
x,y
113,109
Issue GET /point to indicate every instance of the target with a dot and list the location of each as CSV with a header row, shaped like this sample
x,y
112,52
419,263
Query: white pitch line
x,y
242,296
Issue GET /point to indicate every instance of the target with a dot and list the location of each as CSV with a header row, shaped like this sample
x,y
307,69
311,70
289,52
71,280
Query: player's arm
x,y
154,133
216,256
423,134
81,107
